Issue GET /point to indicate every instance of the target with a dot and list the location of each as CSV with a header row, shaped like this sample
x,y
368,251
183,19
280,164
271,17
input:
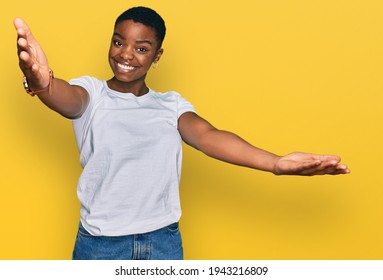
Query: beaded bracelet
x,y
34,92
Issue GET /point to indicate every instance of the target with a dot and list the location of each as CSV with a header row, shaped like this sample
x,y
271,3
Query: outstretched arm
x,y
228,147
69,101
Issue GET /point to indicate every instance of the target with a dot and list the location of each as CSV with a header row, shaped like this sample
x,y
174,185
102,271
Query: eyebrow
x,y
137,41
144,41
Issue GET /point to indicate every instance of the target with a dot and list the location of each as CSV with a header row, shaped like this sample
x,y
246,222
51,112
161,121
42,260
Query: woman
x,y
130,140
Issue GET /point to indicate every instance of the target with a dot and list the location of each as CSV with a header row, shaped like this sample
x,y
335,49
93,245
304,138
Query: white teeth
x,y
125,67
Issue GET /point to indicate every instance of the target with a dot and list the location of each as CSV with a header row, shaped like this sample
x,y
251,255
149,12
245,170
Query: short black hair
x,y
147,17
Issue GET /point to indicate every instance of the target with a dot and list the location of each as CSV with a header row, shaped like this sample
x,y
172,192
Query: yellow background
x,y
285,75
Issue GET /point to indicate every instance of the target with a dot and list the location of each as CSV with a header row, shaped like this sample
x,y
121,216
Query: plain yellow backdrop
x,y
285,75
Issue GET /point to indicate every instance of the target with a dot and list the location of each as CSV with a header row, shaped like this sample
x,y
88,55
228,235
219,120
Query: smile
x,y
125,67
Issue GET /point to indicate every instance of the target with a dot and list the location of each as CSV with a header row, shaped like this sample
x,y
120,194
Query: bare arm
x,y
69,101
228,147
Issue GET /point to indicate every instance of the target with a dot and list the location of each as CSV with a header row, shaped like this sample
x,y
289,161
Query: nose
x,y
127,53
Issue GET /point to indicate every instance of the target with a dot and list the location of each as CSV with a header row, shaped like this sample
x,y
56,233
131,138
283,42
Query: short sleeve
x,y
93,87
87,83
184,106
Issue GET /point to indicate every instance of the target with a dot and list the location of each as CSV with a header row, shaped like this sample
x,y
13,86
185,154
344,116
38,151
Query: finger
x,y
328,164
22,28
22,45
343,169
310,164
307,167
26,57
311,171
24,34
30,69
328,158
335,168
328,170
22,38
26,61
318,171
319,168
330,161
18,23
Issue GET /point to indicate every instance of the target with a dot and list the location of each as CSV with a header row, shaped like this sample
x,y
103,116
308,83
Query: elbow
x,y
207,142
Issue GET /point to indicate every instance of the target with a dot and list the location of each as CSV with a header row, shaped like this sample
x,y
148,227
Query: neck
x,y
137,88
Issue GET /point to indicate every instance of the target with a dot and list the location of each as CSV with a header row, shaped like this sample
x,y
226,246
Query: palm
x,y
32,59
309,164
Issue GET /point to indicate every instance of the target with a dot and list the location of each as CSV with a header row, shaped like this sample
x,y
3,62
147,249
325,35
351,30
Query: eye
x,y
117,43
142,50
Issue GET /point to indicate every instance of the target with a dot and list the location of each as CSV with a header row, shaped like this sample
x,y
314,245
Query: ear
x,y
158,55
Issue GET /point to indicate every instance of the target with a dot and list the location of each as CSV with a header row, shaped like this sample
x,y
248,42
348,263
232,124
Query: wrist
x,y
32,92
275,167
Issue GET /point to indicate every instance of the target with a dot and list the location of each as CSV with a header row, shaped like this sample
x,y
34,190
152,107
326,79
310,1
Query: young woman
x,y
130,138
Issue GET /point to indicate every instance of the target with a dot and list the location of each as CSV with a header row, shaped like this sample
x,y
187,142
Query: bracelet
x,y
34,92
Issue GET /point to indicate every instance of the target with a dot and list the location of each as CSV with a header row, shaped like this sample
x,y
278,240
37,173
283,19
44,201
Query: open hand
x,y
32,59
309,165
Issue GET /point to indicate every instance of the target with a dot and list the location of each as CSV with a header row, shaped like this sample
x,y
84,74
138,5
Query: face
x,y
133,49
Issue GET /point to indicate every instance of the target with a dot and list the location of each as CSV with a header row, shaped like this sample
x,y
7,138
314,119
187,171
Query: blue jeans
x,y
161,244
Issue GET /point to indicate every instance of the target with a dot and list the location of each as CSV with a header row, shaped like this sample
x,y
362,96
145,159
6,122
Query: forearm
x,y
231,148
65,99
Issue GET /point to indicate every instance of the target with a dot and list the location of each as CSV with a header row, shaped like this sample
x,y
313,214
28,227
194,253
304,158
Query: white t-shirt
x,y
131,154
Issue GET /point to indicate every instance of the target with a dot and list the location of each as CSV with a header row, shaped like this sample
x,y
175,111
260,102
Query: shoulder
x,y
169,96
93,86
165,96
174,100
86,81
